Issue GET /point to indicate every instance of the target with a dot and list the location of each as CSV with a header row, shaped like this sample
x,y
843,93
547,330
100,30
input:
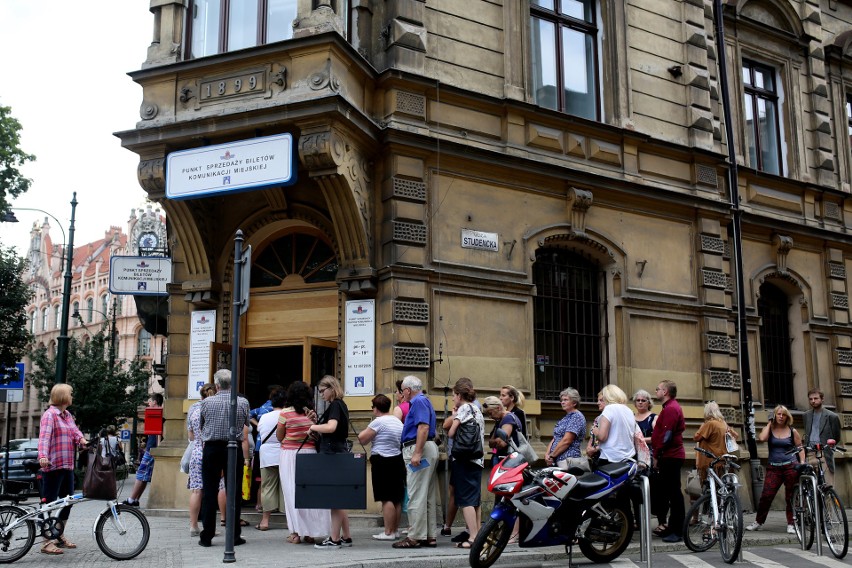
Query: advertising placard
x,y
202,333
360,354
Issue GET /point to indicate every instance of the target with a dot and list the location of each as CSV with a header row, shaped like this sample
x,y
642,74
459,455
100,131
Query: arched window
x,y
775,360
58,319
45,318
33,321
105,303
298,258
75,308
569,324
90,307
143,345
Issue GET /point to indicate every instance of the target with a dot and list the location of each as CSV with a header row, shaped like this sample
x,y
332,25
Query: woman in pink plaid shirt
x,y
57,442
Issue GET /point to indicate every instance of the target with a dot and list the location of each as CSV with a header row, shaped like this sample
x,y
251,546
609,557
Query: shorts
x,y
146,468
388,475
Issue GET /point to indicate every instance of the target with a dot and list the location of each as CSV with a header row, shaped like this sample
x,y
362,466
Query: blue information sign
x,y
125,435
13,377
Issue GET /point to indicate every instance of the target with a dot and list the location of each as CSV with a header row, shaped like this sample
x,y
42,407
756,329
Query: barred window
x,y
775,360
569,324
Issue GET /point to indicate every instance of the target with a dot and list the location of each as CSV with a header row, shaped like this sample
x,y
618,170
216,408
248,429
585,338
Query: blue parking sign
x,y
125,435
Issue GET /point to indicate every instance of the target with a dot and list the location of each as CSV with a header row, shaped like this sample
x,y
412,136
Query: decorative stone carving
x,y
839,300
411,190
410,312
836,270
324,79
718,343
714,278
713,245
579,201
845,388
783,244
152,176
148,111
844,357
343,174
322,19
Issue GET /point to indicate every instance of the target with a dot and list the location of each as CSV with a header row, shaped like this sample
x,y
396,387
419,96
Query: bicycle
x,y
833,515
121,531
718,510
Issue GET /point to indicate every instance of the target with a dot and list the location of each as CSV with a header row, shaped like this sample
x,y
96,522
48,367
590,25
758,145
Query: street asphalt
x,y
171,546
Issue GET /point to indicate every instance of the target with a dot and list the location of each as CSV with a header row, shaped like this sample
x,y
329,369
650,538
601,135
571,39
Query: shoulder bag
x,y
99,481
467,441
731,445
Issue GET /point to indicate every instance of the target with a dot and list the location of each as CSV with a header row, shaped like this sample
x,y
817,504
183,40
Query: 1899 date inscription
x,y
243,84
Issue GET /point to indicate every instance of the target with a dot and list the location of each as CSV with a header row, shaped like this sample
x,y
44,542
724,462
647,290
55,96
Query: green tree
x,y
15,295
99,399
12,182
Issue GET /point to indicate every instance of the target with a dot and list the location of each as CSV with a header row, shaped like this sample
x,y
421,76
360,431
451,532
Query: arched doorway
x,y
291,326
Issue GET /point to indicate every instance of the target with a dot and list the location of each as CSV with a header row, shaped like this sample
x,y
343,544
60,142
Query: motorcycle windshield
x,y
513,460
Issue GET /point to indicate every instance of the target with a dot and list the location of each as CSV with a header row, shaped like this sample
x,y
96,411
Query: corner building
x,y
581,145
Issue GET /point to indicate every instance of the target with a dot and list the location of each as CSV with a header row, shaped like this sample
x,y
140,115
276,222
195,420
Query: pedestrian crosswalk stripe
x,y
624,562
692,561
824,560
762,562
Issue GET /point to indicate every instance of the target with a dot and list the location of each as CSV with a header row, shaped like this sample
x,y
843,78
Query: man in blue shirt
x,y
421,458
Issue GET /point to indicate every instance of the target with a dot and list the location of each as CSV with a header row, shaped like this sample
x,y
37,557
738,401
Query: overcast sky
x,y
64,74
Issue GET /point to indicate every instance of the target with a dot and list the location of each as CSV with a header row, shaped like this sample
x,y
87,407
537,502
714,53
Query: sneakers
x,y
346,541
384,536
461,537
446,531
131,502
329,544
755,526
791,529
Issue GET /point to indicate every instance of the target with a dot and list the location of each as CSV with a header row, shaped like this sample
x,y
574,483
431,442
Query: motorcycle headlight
x,y
504,488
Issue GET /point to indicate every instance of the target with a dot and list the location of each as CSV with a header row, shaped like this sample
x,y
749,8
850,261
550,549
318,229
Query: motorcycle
x,y
557,507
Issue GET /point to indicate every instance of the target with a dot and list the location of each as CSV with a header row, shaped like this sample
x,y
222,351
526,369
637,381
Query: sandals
x,y
294,539
429,543
661,530
407,543
243,523
63,542
261,527
50,548
308,540
465,544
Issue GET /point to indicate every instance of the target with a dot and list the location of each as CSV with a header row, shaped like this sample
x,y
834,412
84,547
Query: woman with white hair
x,y
568,434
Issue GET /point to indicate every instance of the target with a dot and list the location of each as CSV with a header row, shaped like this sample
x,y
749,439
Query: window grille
x,y
775,359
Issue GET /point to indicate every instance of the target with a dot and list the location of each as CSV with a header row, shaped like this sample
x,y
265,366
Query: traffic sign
x,y
125,435
13,377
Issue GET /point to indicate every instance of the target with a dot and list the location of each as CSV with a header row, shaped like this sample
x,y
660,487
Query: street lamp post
x,y
62,342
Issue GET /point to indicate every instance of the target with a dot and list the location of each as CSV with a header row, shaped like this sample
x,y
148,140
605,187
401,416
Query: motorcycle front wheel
x,y
490,542
605,538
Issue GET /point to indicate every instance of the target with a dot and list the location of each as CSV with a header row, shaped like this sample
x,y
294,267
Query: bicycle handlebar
x,y
729,459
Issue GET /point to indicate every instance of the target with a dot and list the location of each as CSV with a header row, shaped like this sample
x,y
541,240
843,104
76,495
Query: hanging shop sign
x,y
230,168
202,332
360,352
471,239
140,275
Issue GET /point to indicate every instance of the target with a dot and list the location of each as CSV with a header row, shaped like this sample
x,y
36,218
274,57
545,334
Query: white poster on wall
x,y
202,332
360,354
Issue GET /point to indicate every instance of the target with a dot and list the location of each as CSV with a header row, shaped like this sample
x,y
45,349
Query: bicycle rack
x,y
645,510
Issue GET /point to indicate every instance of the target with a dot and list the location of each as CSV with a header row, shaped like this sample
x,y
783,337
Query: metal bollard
x,y
817,518
645,540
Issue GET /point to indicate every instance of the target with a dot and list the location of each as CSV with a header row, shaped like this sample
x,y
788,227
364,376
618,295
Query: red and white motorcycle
x,y
557,507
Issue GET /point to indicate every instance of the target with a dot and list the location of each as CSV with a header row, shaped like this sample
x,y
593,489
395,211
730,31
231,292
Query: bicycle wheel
x,y
16,543
123,536
698,532
730,527
803,515
834,525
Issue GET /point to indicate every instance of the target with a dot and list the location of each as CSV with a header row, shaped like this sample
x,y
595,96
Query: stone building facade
x,y
582,142
90,297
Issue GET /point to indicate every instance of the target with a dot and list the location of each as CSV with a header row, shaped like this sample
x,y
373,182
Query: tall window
x,y
775,359
45,319
564,36
90,307
33,319
75,308
569,324
105,304
143,346
219,26
58,319
762,131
